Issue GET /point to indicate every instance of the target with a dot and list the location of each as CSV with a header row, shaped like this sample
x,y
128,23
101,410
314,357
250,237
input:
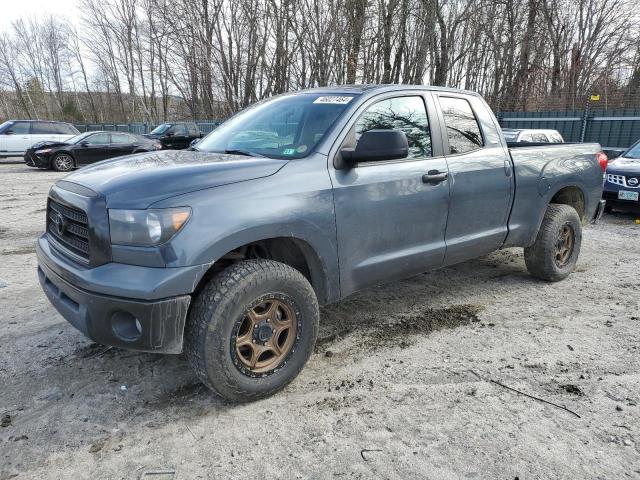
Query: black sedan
x,y
86,148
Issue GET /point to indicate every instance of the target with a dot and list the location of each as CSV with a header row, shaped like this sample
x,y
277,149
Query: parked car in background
x,y
226,251
531,135
86,148
622,186
176,135
16,136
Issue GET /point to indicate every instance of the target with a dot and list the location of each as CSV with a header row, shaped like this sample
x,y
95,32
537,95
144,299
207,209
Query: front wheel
x,y
251,329
62,162
555,252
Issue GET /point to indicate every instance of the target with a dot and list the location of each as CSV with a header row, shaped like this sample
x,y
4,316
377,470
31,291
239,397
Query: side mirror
x,y
9,132
374,146
84,144
169,134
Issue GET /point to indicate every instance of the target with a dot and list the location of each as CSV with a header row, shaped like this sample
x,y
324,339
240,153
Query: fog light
x,y
126,326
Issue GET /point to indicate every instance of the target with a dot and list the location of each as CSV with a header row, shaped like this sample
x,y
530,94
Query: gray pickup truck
x,y
226,251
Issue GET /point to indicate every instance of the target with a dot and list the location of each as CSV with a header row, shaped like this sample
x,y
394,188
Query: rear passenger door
x,y
121,144
481,178
391,214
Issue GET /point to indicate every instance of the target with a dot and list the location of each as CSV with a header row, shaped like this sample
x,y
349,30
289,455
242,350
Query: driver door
x,y
390,217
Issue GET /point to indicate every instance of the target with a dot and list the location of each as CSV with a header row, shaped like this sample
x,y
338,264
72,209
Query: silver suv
x,y
16,136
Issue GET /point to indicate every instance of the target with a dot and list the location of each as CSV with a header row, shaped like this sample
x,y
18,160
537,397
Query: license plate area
x,y
625,195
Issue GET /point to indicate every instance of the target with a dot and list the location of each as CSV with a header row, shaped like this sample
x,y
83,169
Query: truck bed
x,y
543,171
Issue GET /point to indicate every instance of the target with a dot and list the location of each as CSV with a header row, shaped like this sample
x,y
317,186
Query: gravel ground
x,y
409,381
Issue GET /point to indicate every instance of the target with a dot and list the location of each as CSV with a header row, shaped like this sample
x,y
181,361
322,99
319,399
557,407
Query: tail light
x,y
603,160
158,146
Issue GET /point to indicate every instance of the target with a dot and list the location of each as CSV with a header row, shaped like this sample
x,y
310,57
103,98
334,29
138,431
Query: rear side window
x,y
40,128
556,138
402,113
66,129
98,139
540,138
463,131
20,128
193,130
121,138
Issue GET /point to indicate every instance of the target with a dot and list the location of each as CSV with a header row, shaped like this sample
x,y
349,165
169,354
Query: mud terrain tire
x,y
554,254
218,313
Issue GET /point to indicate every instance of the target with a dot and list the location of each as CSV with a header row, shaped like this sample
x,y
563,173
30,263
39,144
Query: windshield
x,y
285,127
161,129
79,138
633,152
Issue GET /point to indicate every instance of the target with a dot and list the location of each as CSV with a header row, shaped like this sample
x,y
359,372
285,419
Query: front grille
x,y
624,181
69,227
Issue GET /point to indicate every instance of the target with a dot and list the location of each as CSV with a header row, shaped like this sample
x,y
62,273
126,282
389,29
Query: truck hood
x,y
624,165
137,181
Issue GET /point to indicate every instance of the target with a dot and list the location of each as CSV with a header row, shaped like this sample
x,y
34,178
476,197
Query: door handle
x,y
433,177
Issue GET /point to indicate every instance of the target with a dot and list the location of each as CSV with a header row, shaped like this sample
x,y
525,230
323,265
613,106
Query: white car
x,y
532,135
16,136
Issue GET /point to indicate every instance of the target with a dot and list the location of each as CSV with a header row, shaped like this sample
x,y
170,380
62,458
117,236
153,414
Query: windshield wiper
x,y
236,151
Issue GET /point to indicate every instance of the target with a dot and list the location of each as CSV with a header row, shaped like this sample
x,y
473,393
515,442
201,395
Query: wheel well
x,y
291,251
73,157
573,197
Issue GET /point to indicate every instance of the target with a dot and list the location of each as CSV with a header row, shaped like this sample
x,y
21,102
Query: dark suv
x,y
175,136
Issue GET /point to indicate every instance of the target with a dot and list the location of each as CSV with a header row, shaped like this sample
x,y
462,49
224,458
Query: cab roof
x,y
366,88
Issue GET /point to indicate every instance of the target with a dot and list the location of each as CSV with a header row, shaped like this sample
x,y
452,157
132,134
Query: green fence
x,y
611,129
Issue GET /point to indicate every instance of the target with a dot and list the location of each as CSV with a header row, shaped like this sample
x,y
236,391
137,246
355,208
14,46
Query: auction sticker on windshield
x,y
334,100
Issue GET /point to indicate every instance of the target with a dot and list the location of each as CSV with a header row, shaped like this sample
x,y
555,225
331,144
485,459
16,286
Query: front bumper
x,y
33,160
144,324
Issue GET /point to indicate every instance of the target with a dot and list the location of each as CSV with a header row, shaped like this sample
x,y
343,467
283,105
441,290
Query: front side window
x,y
633,152
98,139
20,128
463,130
178,130
284,127
407,114
160,129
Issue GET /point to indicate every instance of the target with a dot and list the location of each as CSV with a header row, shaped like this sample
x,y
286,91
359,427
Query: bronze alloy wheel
x,y
265,335
564,245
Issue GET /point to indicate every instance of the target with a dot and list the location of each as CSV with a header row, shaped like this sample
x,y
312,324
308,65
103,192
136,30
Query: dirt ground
x,y
409,380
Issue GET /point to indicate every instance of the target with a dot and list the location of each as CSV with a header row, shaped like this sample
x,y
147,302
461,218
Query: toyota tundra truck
x,y
226,251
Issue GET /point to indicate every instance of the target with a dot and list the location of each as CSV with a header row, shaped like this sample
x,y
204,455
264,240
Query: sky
x,y
15,9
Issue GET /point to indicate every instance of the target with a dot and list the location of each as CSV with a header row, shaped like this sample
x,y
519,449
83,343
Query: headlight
x,y
46,150
145,228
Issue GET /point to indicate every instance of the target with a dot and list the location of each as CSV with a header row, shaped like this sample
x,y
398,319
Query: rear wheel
x,y
555,252
62,162
251,329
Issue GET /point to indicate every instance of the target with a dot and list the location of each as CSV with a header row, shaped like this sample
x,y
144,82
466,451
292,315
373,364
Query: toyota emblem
x,y
59,223
632,182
